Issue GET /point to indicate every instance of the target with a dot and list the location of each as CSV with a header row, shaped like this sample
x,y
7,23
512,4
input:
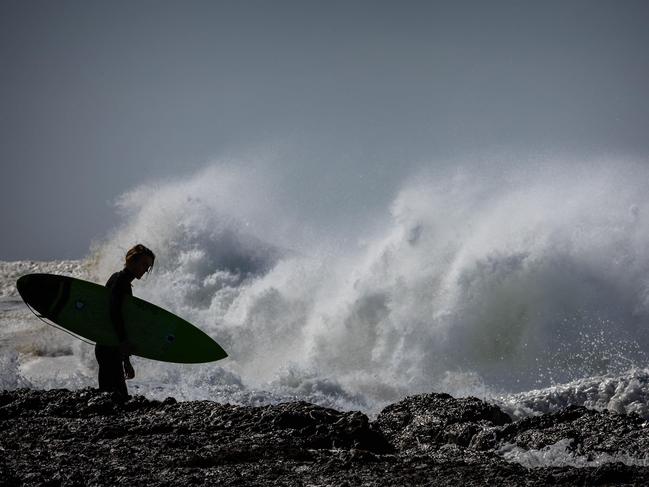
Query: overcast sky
x,y
99,97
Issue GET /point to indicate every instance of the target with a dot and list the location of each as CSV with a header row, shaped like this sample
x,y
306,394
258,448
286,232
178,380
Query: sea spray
x,y
521,280
486,281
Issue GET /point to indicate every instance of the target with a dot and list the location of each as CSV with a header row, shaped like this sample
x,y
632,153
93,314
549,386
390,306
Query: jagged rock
x,y
326,428
436,419
591,432
78,438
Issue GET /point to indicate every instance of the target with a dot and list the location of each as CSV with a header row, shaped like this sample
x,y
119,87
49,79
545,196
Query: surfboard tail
x,y
46,293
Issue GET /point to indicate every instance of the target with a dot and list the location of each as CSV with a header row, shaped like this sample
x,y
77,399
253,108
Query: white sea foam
x,y
491,282
624,393
561,454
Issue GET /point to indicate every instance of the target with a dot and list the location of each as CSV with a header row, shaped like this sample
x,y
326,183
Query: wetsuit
x,y
110,359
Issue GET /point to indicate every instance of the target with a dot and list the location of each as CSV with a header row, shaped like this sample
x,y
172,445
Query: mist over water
x,y
481,280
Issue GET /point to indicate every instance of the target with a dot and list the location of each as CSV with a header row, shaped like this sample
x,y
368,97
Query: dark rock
x,y
437,419
85,437
592,432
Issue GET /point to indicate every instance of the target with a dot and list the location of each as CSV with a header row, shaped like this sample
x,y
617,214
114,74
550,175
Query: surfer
x,y
114,362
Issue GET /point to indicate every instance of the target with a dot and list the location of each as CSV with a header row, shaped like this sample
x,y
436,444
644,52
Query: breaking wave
x,y
489,281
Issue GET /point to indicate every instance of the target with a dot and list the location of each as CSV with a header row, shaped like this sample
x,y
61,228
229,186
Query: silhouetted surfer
x,y
114,362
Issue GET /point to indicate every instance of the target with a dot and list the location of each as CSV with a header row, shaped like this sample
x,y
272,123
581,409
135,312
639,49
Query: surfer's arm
x,y
129,372
116,299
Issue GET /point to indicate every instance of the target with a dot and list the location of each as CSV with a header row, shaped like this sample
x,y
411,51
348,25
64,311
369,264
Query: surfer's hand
x,y
129,373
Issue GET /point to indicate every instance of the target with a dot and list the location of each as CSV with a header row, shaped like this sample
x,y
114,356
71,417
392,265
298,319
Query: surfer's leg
x,y
120,380
104,366
111,372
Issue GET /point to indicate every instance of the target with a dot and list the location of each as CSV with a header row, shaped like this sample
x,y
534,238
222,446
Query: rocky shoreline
x,y
84,437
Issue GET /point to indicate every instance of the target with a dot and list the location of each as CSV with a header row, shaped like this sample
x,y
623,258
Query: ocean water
x,y
526,287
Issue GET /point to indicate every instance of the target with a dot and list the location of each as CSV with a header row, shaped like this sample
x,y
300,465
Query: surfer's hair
x,y
138,251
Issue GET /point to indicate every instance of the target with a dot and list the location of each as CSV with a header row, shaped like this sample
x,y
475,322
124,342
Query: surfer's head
x,y
139,260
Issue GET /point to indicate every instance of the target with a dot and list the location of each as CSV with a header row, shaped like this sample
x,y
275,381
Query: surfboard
x,y
82,308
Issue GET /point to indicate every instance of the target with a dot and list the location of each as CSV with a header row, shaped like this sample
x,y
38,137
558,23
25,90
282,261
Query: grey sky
x,y
98,97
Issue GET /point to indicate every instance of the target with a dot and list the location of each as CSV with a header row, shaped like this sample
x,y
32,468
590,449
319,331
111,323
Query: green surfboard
x,y
82,308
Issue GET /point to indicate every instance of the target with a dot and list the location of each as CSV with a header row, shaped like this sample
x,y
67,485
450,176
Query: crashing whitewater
x,y
527,288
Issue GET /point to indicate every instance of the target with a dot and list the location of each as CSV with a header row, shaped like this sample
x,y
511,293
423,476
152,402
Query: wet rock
x,y
591,433
326,428
436,419
85,437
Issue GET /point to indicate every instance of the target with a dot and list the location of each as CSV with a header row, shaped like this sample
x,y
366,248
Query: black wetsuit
x,y
110,359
